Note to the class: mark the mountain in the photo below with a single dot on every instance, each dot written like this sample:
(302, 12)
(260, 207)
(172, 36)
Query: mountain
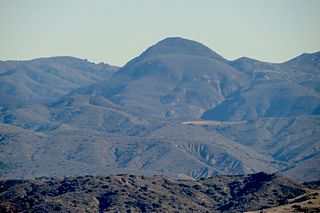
(175, 78)
(306, 69)
(104, 115)
(308, 202)
(46, 79)
(26, 114)
(306, 63)
(277, 90)
(148, 194)
(292, 140)
(271, 99)
(69, 151)
(302, 69)
(179, 109)
(179, 46)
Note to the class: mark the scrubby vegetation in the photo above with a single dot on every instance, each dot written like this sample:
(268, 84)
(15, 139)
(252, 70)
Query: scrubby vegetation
(130, 193)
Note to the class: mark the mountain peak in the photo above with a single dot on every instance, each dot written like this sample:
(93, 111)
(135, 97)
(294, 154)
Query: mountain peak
(312, 58)
(177, 41)
(180, 46)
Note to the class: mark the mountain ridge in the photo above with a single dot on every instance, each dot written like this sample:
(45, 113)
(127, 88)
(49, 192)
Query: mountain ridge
(142, 193)
(146, 117)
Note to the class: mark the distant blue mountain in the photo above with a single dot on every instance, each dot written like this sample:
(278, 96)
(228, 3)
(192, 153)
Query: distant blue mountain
(178, 109)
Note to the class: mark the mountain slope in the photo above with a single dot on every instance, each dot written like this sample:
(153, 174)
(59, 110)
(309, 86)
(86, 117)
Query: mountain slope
(86, 118)
(45, 79)
(96, 113)
(274, 99)
(26, 114)
(143, 194)
(303, 70)
(175, 78)
(293, 140)
(277, 90)
(308, 202)
(69, 151)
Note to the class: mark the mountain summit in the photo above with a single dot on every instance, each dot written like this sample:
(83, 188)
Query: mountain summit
(176, 78)
(181, 46)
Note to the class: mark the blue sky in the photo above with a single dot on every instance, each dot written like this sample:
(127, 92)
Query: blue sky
(115, 31)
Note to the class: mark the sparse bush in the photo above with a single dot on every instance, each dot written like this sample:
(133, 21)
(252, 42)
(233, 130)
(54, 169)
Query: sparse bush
(297, 207)
(156, 205)
(197, 187)
(144, 188)
(210, 191)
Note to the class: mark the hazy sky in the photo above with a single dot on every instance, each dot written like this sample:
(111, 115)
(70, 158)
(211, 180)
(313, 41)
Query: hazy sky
(115, 31)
